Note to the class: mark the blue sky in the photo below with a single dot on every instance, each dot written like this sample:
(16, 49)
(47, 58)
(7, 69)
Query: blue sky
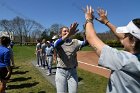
(65, 12)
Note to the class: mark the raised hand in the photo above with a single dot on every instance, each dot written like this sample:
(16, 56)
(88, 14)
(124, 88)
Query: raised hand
(89, 13)
(73, 29)
(102, 16)
(68, 32)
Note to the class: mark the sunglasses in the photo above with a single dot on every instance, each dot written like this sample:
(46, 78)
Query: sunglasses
(126, 35)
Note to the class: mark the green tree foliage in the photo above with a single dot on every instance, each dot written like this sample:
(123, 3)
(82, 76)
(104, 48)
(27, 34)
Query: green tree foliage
(50, 32)
(79, 36)
(21, 28)
(108, 35)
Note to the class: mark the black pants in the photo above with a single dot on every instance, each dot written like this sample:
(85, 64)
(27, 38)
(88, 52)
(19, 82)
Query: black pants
(3, 73)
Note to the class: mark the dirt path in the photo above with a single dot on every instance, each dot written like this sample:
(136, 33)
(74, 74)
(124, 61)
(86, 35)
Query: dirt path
(88, 60)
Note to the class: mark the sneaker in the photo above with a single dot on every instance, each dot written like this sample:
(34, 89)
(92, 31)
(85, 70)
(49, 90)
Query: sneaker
(42, 68)
(37, 65)
(48, 74)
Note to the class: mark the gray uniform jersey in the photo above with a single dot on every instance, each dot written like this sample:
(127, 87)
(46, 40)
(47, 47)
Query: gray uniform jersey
(38, 46)
(125, 75)
(43, 47)
(49, 50)
(67, 54)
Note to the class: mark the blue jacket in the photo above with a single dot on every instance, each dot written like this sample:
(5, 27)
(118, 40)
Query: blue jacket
(4, 56)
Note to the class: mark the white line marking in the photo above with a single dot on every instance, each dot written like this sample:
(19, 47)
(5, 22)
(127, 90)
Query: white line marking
(93, 65)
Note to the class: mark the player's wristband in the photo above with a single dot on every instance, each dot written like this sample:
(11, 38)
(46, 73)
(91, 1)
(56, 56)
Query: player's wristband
(106, 22)
(89, 21)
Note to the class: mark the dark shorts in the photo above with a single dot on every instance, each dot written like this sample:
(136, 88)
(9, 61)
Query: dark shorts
(3, 73)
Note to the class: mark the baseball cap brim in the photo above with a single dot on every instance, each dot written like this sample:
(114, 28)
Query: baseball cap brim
(122, 29)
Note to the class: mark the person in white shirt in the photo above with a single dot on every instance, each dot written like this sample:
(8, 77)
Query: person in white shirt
(124, 65)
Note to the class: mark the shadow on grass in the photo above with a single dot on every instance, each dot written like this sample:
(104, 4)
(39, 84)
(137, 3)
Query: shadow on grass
(20, 79)
(79, 79)
(17, 67)
(25, 85)
(39, 92)
(19, 72)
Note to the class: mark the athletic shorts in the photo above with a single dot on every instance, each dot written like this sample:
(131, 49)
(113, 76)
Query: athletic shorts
(3, 73)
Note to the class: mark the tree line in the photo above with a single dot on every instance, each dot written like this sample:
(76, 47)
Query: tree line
(26, 30)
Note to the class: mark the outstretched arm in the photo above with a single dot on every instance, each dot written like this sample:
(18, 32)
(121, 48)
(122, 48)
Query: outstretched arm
(104, 20)
(91, 36)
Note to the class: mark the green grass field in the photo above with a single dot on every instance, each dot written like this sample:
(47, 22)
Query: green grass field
(27, 79)
(87, 48)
